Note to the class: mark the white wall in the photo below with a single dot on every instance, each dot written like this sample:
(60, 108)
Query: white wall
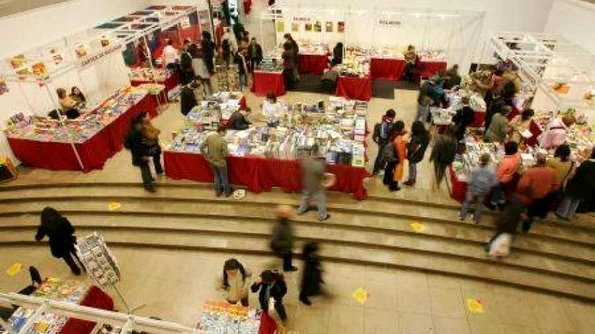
(22, 32)
(574, 20)
(512, 15)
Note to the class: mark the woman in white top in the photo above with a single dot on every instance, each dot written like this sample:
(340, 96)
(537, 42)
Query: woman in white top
(272, 110)
(170, 54)
(234, 283)
(199, 66)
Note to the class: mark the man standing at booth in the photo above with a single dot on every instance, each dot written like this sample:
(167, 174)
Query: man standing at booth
(214, 149)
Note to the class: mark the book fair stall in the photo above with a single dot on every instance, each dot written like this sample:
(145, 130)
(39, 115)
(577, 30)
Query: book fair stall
(262, 158)
(268, 78)
(558, 83)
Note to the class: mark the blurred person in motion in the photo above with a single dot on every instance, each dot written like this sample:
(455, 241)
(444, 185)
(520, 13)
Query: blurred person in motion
(271, 284)
(507, 173)
(443, 155)
(535, 188)
(579, 188)
(312, 274)
(463, 118)
(142, 152)
(315, 182)
(214, 149)
(208, 51)
(481, 181)
(416, 149)
(381, 137)
(499, 126)
(399, 145)
(506, 228)
(255, 54)
(61, 237)
(234, 282)
(282, 237)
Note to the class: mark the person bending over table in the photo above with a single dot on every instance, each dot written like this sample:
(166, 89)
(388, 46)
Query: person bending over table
(238, 120)
(234, 283)
(78, 96)
(68, 105)
(214, 149)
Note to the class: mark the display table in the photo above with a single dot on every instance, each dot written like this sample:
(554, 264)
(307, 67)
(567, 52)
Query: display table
(264, 83)
(260, 174)
(169, 83)
(355, 88)
(458, 188)
(93, 153)
(428, 69)
(313, 63)
(69, 291)
(387, 68)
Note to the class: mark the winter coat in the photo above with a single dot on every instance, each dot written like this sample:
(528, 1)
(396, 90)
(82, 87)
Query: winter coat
(137, 146)
(311, 277)
(416, 148)
(61, 235)
(582, 184)
(282, 237)
(278, 290)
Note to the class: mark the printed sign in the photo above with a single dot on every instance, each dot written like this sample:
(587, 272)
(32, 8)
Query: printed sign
(389, 23)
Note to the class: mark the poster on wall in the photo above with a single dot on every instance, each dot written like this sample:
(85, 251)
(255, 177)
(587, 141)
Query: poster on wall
(328, 27)
(81, 50)
(19, 62)
(3, 86)
(40, 71)
(308, 27)
(280, 26)
(105, 41)
(318, 26)
(295, 27)
(56, 55)
(340, 26)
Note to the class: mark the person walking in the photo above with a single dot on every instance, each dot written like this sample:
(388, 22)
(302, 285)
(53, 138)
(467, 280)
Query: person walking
(380, 137)
(208, 51)
(234, 282)
(60, 232)
(288, 57)
(499, 126)
(463, 118)
(399, 145)
(255, 54)
(535, 187)
(271, 284)
(443, 155)
(214, 149)
(507, 173)
(312, 274)
(142, 152)
(315, 181)
(416, 149)
(282, 238)
(579, 188)
(481, 181)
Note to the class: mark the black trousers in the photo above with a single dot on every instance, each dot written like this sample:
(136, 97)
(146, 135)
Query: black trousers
(379, 163)
(68, 258)
(287, 261)
(289, 78)
(279, 307)
(389, 173)
(145, 170)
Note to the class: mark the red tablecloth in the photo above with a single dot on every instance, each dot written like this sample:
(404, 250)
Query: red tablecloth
(311, 63)
(387, 68)
(428, 69)
(267, 325)
(243, 104)
(259, 174)
(93, 152)
(480, 117)
(95, 298)
(268, 82)
(355, 88)
(458, 188)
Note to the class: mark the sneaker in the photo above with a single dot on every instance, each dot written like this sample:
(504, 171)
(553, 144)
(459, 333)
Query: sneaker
(151, 189)
(325, 218)
(397, 188)
(461, 218)
(305, 301)
(409, 183)
(300, 213)
(491, 206)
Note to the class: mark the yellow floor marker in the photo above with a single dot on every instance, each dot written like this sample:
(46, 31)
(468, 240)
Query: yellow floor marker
(113, 206)
(418, 227)
(14, 269)
(360, 295)
(475, 305)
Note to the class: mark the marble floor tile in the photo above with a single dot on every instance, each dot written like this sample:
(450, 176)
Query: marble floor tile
(446, 325)
(418, 323)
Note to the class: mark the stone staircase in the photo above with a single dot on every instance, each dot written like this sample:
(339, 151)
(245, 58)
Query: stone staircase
(556, 257)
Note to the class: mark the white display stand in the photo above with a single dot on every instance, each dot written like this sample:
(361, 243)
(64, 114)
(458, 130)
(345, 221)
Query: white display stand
(545, 60)
(455, 32)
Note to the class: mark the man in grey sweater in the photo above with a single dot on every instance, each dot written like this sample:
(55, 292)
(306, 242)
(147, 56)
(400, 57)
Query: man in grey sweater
(313, 171)
(214, 149)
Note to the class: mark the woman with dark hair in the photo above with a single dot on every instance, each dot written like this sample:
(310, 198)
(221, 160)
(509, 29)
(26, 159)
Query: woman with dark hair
(416, 149)
(395, 168)
(519, 124)
(68, 106)
(579, 188)
(289, 62)
(142, 152)
(234, 282)
(78, 96)
(337, 55)
(208, 50)
(443, 155)
(463, 118)
(271, 284)
(61, 235)
(312, 274)
(563, 166)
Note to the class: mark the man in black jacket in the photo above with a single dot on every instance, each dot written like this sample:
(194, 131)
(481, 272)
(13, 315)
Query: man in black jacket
(282, 238)
(238, 120)
(140, 152)
(254, 54)
(271, 285)
(380, 137)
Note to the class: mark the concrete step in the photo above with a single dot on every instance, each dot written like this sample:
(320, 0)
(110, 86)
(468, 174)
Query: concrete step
(248, 243)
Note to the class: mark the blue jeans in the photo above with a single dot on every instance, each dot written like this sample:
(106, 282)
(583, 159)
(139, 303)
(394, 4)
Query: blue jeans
(497, 195)
(469, 197)
(568, 207)
(221, 180)
(319, 197)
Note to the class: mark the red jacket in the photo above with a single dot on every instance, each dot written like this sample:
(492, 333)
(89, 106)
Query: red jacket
(536, 183)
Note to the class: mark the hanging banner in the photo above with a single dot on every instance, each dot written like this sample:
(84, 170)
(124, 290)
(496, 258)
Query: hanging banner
(340, 26)
(40, 71)
(384, 23)
(19, 62)
(81, 50)
(87, 61)
(105, 41)
(328, 27)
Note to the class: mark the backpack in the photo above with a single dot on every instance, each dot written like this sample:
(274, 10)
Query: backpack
(388, 153)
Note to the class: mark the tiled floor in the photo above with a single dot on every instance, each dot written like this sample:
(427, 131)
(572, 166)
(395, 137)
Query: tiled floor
(174, 284)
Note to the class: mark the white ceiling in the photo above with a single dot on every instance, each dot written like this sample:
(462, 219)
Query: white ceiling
(9, 7)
